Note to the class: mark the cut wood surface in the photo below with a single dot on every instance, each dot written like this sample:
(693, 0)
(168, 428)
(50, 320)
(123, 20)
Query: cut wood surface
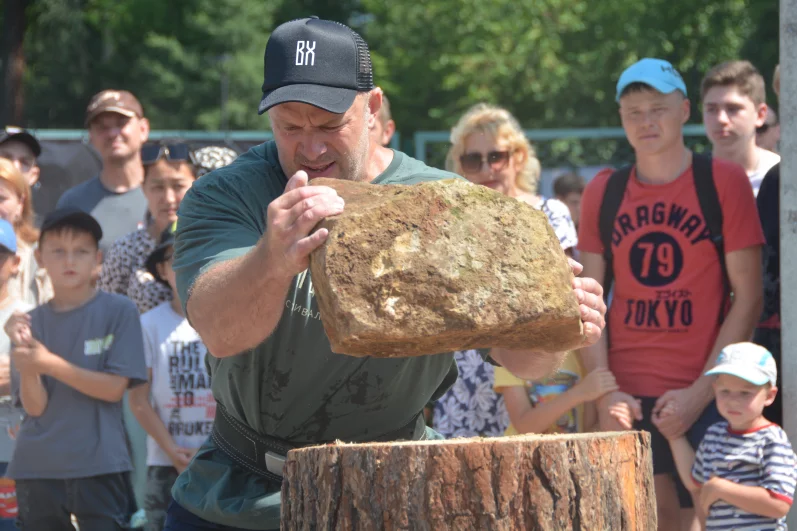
(601, 481)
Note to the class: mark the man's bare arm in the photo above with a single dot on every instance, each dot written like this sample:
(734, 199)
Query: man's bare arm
(237, 304)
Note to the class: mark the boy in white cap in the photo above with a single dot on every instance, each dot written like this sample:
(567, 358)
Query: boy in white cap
(744, 471)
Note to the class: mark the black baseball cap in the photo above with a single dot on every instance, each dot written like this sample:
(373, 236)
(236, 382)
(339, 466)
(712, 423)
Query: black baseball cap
(21, 135)
(72, 217)
(158, 254)
(319, 62)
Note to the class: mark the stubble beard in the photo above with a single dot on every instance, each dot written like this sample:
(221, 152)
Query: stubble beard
(357, 160)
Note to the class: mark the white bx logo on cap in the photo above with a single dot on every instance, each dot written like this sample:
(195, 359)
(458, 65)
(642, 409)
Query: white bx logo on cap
(305, 53)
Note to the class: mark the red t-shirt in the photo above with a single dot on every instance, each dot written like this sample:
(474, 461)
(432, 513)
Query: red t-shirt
(663, 318)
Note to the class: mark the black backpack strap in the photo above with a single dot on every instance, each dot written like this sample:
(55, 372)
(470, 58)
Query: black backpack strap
(707, 196)
(610, 206)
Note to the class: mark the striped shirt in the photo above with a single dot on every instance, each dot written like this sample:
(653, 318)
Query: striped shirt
(758, 458)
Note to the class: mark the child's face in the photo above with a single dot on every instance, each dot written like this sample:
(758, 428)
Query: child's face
(166, 270)
(740, 402)
(70, 257)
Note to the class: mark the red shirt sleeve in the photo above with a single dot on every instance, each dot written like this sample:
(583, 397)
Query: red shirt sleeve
(589, 238)
(741, 226)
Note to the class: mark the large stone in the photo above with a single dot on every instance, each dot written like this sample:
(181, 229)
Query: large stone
(441, 266)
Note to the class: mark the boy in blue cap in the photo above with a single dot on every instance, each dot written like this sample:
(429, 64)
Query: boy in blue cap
(660, 251)
(745, 470)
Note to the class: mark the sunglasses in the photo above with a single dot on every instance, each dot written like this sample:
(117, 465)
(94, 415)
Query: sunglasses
(473, 162)
(152, 153)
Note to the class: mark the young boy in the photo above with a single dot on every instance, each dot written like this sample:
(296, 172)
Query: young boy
(745, 470)
(9, 415)
(176, 407)
(72, 360)
(561, 403)
(734, 106)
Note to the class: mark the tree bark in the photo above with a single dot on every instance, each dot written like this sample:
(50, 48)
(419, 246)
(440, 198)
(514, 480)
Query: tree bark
(14, 23)
(584, 482)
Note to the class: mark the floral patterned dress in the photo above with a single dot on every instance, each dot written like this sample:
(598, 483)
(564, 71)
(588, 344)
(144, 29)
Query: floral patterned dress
(471, 408)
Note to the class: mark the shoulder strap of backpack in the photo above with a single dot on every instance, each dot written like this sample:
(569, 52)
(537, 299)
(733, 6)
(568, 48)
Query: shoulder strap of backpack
(707, 196)
(610, 205)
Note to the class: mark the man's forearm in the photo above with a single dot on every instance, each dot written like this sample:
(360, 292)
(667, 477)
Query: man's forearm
(99, 385)
(237, 304)
(737, 327)
(32, 393)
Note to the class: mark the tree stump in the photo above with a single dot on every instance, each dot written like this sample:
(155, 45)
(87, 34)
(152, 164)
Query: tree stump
(601, 481)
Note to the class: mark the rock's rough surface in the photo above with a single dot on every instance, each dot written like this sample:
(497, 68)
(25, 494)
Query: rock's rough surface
(441, 266)
(531, 482)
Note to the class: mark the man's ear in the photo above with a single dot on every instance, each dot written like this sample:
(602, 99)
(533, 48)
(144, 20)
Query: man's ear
(686, 107)
(144, 129)
(761, 114)
(374, 104)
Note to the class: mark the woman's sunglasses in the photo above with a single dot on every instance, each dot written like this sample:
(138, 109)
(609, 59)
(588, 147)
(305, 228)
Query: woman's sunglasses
(473, 162)
(152, 153)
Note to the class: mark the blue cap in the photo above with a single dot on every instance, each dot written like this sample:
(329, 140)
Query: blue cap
(750, 362)
(7, 237)
(656, 73)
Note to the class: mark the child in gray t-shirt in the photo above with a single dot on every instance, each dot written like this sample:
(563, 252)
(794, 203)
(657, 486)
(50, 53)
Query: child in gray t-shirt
(72, 360)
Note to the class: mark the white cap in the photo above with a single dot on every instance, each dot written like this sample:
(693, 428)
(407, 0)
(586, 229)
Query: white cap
(748, 361)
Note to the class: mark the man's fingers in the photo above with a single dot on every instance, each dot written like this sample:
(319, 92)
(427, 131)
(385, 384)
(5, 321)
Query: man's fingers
(588, 285)
(576, 267)
(298, 180)
(289, 199)
(309, 212)
(307, 245)
(636, 409)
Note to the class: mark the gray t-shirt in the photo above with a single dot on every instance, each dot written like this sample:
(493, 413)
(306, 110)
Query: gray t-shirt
(10, 414)
(117, 214)
(79, 436)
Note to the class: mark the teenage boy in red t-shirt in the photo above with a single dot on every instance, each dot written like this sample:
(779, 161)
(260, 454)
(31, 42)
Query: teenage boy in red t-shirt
(664, 326)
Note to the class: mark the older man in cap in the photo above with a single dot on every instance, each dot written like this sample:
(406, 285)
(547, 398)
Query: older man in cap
(117, 130)
(244, 237)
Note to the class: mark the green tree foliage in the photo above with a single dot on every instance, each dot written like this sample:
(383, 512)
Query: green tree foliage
(551, 62)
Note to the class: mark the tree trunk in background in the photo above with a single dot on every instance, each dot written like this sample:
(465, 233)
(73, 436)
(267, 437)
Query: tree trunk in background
(580, 482)
(13, 61)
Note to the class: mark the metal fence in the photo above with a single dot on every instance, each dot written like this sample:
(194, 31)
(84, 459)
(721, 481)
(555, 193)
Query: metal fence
(68, 159)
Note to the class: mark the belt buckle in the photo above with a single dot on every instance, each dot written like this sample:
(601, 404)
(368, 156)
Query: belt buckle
(275, 463)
